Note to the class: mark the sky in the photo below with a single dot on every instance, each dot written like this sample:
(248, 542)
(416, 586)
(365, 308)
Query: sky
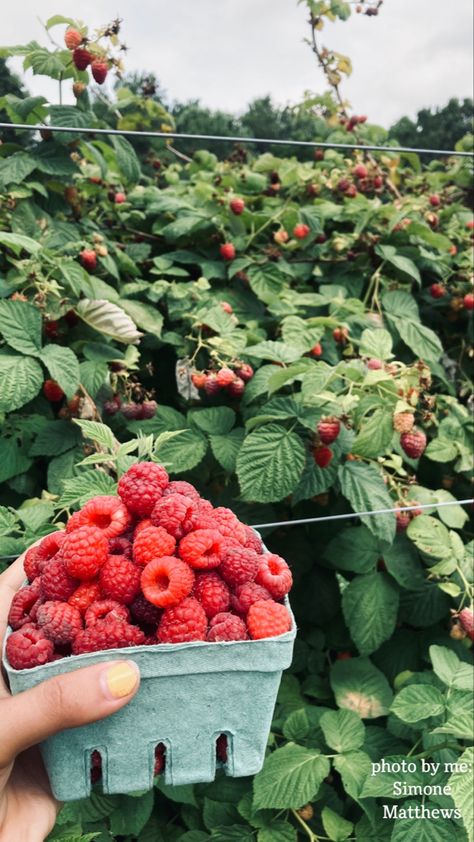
(414, 54)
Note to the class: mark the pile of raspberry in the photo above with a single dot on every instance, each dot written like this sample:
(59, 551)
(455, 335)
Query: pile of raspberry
(155, 564)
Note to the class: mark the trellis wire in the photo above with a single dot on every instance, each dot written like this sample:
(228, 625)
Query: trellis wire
(210, 137)
(346, 516)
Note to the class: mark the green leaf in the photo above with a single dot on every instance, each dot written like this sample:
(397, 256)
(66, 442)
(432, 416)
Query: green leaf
(219, 813)
(315, 480)
(34, 515)
(361, 687)
(233, 833)
(376, 343)
(343, 730)
(88, 484)
(370, 605)
(127, 160)
(462, 786)
(63, 367)
(20, 324)
(354, 548)
(8, 520)
(277, 831)
(402, 311)
(453, 516)
(93, 375)
(417, 701)
(275, 351)
(18, 243)
(131, 814)
(266, 281)
(375, 435)
(441, 450)
(353, 768)
(422, 830)
(430, 536)
(20, 381)
(336, 828)
(226, 448)
(450, 669)
(15, 168)
(403, 563)
(55, 438)
(108, 319)
(182, 452)
(217, 420)
(99, 433)
(291, 777)
(365, 489)
(144, 315)
(270, 463)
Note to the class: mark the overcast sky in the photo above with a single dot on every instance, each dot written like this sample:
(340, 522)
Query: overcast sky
(416, 53)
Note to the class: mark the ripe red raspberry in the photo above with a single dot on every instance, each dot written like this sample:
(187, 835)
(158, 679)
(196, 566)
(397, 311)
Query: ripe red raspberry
(96, 767)
(144, 612)
(221, 748)
(301, 231)
(227, 251)
(228, 524)
(72, 38)
(252, 540)
(141, 486)
(153, 542)
(203, 549)
(107, 635)
(180, 486)
(143, 524)
(238, 566)
(120, 546)
(437, 290)
(166, 581)
(106, 610)
(183, 622)
(245, 595)
(119, 579)
(212, 592)
(178, 514)
(360, 171)
(340, 335)
(403, 519)
(329, 429)
(88, 259)
(316, 350)
(268, 619)
(211, 386)
(199, 379)
(81, 58)
(23, 603)
(435, 200)
(99, 69)
(106, 513)
(85, 550)
(52, 391)
(466, 618)
(85, 595)
(237, 206)
(28, 647)
(274, 575)
(30, 564)
(413, 443)
(59, 621)
(245, 372)
(227, 627)
(236, 388)
(160, 759)
(322, 456)
(374, 364)
(49, 548)
(56, 582)
(468, 301)
(224, 377)
(119, 198)
(227, 308)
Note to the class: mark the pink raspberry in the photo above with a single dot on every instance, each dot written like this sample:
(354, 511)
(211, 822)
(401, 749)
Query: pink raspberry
(120, 546)
(166, 581)
(268, 619)
(56, 582)
(85, 550)
(141, 486)
(145, 613)
(28, 647)
(106, 610)
(238, 566)
(59, 621)
(245, 595)
(37, 557)
(228, 524)
(107, 635)
(227, 627)
(152, 542)
(119, 579)
(106, 513)
(252, 540)
(182, 487)
(23, 604)
(178, 514)
(84, 595)
(203, 549)
(212, 592)
(183, 622)
(274, 575)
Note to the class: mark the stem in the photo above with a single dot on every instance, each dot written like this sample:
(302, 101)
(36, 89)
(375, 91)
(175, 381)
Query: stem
(311, 836)
(439, 747)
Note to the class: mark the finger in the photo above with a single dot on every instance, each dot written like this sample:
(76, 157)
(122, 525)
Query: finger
(65, 701)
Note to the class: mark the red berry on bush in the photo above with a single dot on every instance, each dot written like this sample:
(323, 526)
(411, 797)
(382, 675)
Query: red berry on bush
(119, 198)
(198, 379)
(245, 372)
(211, 386)
(403, 519)
(88, 259)
(281, 236)
(343, 656)
(72, 38)
(316, 350)
(301, 231)
(322, 456)
(413, 443)
(227, 308)
(437, 290)
(131, 411)
(52, 391)
(343, 185)
(378, 182)
(236, 387)
(99, 69)
(466, 618)
(149, 409)
(435, 200)
(340, 335)
(329, 429)
(227, 251)
(112, 406)
(374, 364)
(351, 191)
(468, 301)
(81, 58)
(360, 171)
(224, 377)
(237, 206)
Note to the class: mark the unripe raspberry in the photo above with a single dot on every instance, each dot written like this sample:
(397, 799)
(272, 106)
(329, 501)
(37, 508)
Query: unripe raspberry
(437, 290)
(198, 379)
(468, 301)
(322, 456)
(236, 387)
(88, 259)
(403, 519)
(403, 422)
(72, 38)
(329, 429)
(237, 206)
(301, 231)
(78, 89)
(281, 236)
(351, 191)
(227, 251)
(378, 182)
(374, 365)
(413, 443)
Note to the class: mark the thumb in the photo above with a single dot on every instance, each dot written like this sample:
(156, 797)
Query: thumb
(65, 701)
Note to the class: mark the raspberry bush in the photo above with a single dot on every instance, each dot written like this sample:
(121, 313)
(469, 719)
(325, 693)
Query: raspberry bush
(293, 337)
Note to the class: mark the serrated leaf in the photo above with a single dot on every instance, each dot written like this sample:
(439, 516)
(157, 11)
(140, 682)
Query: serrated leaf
(226, 448)
(375, 435)
(291, 777)
(376, 343)
(365, 489)
(20, 325)
(450, 669)
(416, 702)
(441, 450)
(108, 319)
(359, 686)
(127, 160)
(343, 730)
(217, 420)
(270, 463)
(278, 831)
(370, 605)
(20, 381)
(81, 488)
(353, 548)
(266, 281)
(430, 536)
(99, 433)
(408, 829)
(337, 828)
(8, 519)
(275, 351)
(55, 438)
(462, 786)
(183, 452)
(63, 367)
(15, 168)
(145, 316)
(93, 375)
(18, 243)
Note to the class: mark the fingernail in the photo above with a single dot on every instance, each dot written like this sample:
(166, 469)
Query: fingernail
(120, 680)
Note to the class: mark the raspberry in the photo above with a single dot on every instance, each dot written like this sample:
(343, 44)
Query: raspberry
(59, 621)
(227, 627)
(238, 566)
(166, 581)
(301, 231)
(106, 513)
(224, 377)
(49, 547)
(237, 206)
(28, 647)
(52, 391)
(244, 372)
(199, 379)
(183, 622)
(228, 524)
(403, 519)
(107, 635)
(202, 549)
(31, 564)
(22, 604)
(99, 69)
(179, 514)
(252, 540)
(56, 582)
(403, 422)
(106, 610)
(227, 251)
(221, 748)
(437, 290)
(72, 38)
(322, 456)
(182, 487)
(96, 767)
(245, 595)
(274, 575)
(212, 593)
(120, 546)
(413, 443)
(144, 524)
(160, 759)
(85, 550)
(119, 579)
(85, 595)
(81, 58)
(329, 429)
(236, 388)
(144, 612)
(153, 542)
(268, 619)
(141, 486)
(466, 618)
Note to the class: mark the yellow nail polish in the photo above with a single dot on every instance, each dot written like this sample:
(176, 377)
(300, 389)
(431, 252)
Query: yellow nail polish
(121, 679)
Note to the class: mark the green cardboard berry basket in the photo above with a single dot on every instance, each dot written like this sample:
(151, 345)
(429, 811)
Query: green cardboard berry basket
(189, 694)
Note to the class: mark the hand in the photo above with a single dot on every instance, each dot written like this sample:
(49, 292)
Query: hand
(27, 807)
